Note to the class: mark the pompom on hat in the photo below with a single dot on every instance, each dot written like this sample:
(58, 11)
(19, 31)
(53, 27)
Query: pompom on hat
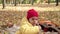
(32, 13)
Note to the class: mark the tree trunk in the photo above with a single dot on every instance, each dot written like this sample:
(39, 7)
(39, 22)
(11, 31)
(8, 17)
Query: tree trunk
(48, 1)
(15, 3)
(3, 3)
(56, 2)
(32, 2)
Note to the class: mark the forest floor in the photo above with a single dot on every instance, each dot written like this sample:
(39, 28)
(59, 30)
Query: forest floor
(25, 7)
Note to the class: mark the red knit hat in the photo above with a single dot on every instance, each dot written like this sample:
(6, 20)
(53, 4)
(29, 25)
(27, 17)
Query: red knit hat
(31, 13)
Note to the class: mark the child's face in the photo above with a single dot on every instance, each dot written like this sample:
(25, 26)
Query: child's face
(33, 20)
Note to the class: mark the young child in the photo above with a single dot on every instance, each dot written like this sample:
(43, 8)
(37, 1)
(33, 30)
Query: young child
(29, 25)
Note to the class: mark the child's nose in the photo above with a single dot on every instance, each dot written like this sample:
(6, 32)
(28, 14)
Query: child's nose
(35, 21)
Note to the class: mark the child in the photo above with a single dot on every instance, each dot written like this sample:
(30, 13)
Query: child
(29, 25)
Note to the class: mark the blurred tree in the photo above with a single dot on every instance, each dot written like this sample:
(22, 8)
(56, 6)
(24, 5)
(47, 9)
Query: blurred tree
(0, 1)
(32, 2)
(29, 1)
(3, 3)
(48, 1)
(23, 1)
(15, 3)
(57, 2)
(9, 1)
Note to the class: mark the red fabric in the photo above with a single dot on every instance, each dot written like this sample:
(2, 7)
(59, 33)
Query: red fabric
(45, 29)
(31, 13)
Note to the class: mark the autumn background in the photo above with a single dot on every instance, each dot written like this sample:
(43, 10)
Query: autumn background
(14, 10)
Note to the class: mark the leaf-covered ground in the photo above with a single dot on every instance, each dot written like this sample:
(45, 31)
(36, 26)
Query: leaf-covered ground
(15, 17)
(14, 14)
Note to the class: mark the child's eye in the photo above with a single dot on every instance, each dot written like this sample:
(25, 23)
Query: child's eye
(32, 18)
